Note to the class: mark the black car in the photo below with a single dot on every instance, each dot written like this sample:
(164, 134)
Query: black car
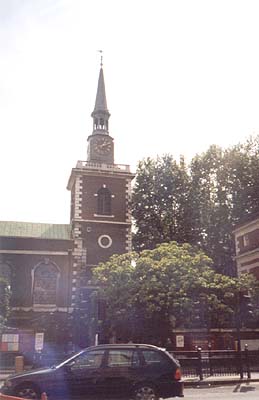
(133, 371)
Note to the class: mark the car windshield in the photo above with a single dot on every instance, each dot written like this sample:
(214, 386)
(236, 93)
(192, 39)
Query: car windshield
(67, 360)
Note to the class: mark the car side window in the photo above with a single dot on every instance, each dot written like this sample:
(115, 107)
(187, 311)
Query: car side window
(88, 360)
(123, 358)
(154, 358)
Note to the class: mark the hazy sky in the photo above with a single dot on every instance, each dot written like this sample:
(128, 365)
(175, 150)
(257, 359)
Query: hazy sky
(180, 75)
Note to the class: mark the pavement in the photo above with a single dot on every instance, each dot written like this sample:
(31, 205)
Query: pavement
(220, 380)
(188, 382)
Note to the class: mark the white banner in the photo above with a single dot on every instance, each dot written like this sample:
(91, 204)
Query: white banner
(39, 341)
(179, 341)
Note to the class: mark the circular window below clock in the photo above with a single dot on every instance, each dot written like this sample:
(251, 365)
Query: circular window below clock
(105, 241)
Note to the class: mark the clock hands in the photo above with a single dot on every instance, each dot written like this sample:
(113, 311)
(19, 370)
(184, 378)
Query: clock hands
(102, 146)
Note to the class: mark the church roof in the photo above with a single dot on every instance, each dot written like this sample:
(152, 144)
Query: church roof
(35, 230)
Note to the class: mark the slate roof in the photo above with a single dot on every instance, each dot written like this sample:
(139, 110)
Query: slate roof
(35, 230)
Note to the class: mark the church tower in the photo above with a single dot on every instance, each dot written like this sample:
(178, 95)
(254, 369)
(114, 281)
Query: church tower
(100, 200)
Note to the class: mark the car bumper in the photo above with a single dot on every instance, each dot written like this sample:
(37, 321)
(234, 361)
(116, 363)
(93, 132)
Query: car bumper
(174, 389)
(6, 390)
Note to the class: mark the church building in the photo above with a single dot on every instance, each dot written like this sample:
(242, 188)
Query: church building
(49, 265)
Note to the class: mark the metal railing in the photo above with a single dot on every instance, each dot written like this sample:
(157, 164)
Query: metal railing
(205, 363)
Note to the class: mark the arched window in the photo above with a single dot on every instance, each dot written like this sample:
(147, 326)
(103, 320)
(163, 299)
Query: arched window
(104, 201)
(45, 283)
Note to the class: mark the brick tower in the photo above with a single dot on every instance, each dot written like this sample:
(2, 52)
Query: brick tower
(100, 207)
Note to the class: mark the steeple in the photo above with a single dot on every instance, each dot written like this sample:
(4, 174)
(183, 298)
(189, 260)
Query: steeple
(100, 114)
(100, 147)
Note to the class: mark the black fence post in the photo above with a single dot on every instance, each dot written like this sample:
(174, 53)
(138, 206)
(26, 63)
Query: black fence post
(247, 362)
(239, 350)
(210, 360)
(240, 363)
(199, 366)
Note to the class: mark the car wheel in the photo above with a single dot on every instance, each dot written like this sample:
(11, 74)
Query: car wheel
(28, 391)
(145, 392)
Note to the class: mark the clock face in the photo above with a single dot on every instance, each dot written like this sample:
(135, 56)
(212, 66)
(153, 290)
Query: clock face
(102, 146)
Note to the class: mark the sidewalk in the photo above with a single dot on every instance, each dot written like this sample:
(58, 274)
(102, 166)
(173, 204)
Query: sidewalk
(220, 380)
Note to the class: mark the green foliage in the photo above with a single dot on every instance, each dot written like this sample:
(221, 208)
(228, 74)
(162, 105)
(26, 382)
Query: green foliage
(5, 294)
(150, 293)
(200, 203)
(160, 202)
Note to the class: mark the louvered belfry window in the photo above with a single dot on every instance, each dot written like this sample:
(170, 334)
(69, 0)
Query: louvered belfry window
(104, 201)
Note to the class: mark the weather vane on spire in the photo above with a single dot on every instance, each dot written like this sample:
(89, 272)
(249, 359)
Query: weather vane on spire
(101, 52)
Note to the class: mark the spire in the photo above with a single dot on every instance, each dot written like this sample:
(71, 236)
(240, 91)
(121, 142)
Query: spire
(100, 114)
(100, 102)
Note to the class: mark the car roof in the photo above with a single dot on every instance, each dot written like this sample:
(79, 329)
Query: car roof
(125, 346)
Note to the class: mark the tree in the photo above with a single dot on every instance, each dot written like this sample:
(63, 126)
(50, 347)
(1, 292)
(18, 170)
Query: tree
(224, 192)
(200, 203)
(5, 294)
(160, 202)
(211, 211)
(151, 292)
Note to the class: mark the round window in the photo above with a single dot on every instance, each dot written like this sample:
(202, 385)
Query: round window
(105, 241)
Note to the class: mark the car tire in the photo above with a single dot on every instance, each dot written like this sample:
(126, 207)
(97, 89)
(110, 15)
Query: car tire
(145, 392)
(28, 391)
